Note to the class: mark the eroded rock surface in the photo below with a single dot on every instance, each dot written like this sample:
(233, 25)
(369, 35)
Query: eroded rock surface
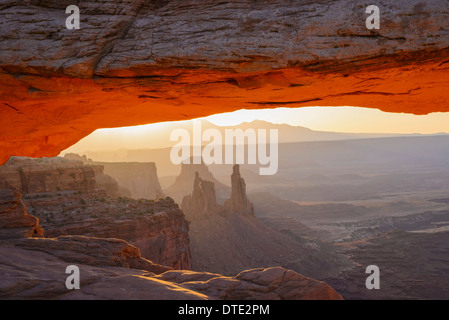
(137, 180)
(255, 284)
(110, 268)
(202, 202)
(15, 222)
(51, 175)
(113, 269)
(136, 62)
(238, 203)
(71, 198)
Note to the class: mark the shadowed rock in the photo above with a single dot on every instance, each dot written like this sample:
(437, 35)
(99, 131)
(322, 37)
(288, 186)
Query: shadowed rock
(238, 203)
(255, 284)
(183, 184)
(112, 269)
(15, 222)
(34, 268)
(202, 202)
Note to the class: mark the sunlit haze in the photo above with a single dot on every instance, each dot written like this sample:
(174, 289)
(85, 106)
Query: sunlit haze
(333, 119)
(341, 119)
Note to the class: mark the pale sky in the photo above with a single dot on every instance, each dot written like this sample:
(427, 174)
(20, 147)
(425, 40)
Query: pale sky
(335, 119)
(342, 119)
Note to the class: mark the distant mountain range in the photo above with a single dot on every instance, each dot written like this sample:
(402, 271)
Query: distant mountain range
(286, 133)
(158, 137)
(158, 144)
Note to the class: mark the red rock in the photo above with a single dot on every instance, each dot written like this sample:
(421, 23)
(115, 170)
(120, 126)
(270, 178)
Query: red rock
(15, 222)
(137, 180)
(238, 203)
(255, 284)
(171, 61)
(93, 251)
(202, 202)
(71, 198)
(162, 237)
(112, 269)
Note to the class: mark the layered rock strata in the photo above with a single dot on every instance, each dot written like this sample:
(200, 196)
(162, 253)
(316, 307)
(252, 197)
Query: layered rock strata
(137, 180)
(15, 222)
(52, 175)
(162, 236)
(35, 268)
(173, 60)
(71, 198)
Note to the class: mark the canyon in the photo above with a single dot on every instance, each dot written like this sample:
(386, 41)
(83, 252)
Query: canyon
(31, 253)
(333, 208)
(65, 196)
(228, 237)
(327, 212)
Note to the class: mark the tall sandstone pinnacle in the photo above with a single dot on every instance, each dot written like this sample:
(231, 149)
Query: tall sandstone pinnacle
(238, 203)
(183, 183)
(202, 202)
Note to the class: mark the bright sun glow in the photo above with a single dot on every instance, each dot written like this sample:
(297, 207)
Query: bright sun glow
(334, 119)
(341, 119)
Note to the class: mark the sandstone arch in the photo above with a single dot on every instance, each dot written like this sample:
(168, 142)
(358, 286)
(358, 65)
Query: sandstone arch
(137, 62)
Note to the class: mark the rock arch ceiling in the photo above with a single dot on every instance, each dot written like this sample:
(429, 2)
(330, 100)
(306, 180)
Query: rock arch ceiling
(136, 62)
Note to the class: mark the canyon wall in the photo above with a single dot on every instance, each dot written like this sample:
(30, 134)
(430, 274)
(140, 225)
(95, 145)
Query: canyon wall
(51, 175)
(34, 267)
(137, 180)
(162, 237)
(15, 222)
(47, 175)
(71, 198)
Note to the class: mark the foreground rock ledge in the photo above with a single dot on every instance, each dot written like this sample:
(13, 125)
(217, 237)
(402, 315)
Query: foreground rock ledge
(113, 269)
(33, 267)
(137, 62)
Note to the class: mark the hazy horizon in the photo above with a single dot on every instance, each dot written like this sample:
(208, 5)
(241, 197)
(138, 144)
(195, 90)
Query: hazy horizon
(339, 120)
